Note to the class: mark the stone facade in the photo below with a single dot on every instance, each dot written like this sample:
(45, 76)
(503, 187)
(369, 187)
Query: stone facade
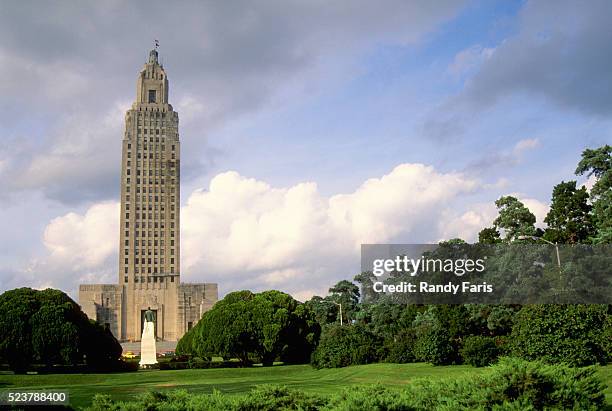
(149, 238)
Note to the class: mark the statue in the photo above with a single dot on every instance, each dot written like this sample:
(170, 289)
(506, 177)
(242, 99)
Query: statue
(147, 342)
(149, 316)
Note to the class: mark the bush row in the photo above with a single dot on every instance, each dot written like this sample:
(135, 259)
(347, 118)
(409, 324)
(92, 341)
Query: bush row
(443, 335)
(513, 384)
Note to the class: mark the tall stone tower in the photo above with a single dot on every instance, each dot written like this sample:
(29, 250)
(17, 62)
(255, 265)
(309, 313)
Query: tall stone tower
(149, 245)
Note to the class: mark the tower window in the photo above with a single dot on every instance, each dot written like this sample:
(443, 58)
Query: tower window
(152, 96)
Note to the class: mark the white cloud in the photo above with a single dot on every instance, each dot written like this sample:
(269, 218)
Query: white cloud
(244, 233)
(538, 208)
(85, 241)
(467, 225)
(478, 216)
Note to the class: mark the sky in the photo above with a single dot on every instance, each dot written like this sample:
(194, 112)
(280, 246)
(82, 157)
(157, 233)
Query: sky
(307, 128)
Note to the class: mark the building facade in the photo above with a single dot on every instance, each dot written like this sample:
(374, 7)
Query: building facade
(149, 237)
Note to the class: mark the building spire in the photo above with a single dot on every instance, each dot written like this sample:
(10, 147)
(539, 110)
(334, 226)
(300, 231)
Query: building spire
(153, 57)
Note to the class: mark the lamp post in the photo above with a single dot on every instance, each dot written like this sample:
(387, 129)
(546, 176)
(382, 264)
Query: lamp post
(339, 305)
(523, 237)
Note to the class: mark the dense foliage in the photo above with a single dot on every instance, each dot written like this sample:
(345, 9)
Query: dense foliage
(510, 385)
(47, 327)
(265, 327)
(478, 333)
(575, 334)
(479, 350)
(341, 346)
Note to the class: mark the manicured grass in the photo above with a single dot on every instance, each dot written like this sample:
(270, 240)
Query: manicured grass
(124, 386)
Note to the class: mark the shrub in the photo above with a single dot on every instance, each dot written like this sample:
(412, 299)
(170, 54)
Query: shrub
(512, 384)
(369, 397)
(264, 398)
(575, 334)
(400, 350)
(479, 351)
(272, 398)
(341, 346)
(433, 345)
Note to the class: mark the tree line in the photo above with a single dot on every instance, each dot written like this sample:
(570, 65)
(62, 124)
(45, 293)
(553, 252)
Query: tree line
(272, 326)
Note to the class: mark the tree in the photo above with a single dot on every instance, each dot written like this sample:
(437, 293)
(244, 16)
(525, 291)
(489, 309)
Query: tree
(283, 328)
(569, 217)
(255, 327)
(16, 308)
(341, 346)
(366, 282)
(598, 163)
(49, 327)
(54, 339)
(489, 235)
(325, 311)
(514, 218)
(347, 294)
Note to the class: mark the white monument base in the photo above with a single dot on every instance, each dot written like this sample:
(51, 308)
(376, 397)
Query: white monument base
(147, 345)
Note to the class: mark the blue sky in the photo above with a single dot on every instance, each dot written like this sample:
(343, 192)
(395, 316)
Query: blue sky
(307, 128)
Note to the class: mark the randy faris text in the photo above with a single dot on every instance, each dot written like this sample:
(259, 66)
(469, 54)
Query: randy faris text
(425, 287)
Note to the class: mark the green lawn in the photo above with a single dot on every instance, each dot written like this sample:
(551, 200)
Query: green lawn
(125, 385)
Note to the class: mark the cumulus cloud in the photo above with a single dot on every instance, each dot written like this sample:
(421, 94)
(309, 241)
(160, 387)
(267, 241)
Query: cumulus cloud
(80, 248)
(84, 241)
(537, 207)
(468, 224)
(244, 233)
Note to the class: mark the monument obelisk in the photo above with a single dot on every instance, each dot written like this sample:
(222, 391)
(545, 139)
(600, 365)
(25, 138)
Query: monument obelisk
(147, 342)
